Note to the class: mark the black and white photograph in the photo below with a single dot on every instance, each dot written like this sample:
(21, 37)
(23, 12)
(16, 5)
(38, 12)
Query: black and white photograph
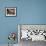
(30, 34)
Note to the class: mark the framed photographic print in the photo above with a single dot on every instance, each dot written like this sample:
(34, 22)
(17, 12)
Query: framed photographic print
(10, 11)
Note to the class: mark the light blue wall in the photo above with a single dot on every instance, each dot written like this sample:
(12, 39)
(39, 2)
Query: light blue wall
(28, 12)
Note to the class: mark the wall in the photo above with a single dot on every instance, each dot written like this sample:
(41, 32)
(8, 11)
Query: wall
(28, 12)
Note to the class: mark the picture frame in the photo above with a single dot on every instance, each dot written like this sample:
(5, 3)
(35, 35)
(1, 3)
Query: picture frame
(10, 11)
(37, 29)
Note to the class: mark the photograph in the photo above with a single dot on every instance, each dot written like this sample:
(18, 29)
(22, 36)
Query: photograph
(11, 11)
(29, 34)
